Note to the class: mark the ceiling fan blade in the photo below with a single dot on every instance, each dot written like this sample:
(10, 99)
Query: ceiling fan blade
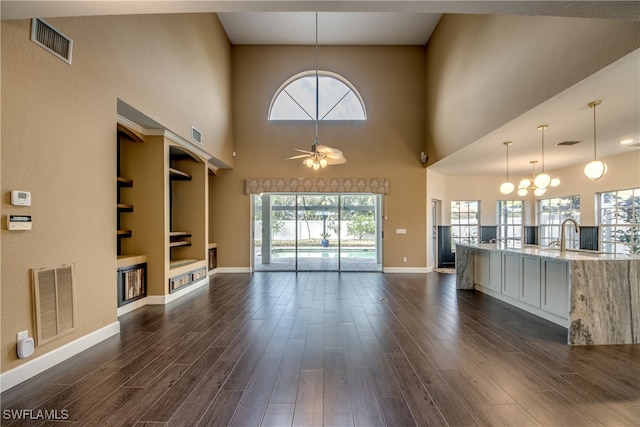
(338, 161)
(303, 151)
(330, 152)
(297, 157)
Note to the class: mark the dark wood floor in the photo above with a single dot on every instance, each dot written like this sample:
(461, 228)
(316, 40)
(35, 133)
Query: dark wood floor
(366, 349)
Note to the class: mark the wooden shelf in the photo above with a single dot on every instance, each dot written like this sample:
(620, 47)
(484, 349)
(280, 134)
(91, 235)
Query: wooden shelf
(123, 233)
(175, 263)
(179, 243)
(179, 234)
(178, 175)
(124, 182)
(122, 207)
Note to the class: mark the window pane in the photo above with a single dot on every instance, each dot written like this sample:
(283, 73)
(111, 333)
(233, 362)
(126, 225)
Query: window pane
(336, 99)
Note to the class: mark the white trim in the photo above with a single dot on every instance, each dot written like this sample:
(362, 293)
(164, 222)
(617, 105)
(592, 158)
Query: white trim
(48, 360)
(421, 270)
(430, 269)
(166, 299)
(167, 133)
(234, 270)
(132, 306)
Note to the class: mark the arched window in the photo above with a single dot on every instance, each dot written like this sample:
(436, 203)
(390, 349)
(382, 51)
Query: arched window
(296, 98)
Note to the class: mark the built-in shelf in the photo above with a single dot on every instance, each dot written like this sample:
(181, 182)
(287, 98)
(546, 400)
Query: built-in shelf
(123, 207)
(123, 233)
(175, 263)
(124, 182)
(179, 243)
(178, 175)
(179, 234)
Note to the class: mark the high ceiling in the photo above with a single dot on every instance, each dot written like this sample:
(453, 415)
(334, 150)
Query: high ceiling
(399, 22)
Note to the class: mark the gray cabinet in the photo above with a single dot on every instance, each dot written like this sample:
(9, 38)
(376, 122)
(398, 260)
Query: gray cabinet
(530, 291)
(555, 287)
(511, 275)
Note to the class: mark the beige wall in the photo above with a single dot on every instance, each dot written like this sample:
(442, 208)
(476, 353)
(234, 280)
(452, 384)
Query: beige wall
(623, 173)
(484, 70)
(387, 145)
(59, 142)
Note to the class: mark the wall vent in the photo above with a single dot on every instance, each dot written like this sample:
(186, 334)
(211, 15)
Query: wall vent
(54, 292)
(196, 135)
(567, 143)
(45, 35)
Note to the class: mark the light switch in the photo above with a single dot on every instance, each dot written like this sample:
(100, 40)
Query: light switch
(401, 231)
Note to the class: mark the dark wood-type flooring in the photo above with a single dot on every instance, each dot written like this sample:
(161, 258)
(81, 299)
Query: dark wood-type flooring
(311, 349)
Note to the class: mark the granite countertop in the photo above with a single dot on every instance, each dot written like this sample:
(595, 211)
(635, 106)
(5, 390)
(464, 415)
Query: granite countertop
(554, 253)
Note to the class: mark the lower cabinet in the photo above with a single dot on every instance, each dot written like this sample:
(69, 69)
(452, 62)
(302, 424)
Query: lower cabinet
(530, 291)
(511, 275)
(555, 289)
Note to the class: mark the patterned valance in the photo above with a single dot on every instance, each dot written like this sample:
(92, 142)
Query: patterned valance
(317, 185)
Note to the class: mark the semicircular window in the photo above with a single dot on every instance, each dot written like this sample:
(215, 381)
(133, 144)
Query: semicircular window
(338, 99)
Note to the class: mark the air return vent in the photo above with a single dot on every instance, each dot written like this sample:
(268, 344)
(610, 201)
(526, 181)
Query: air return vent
(54, 41)
(567, 143)
(54, 291)
(196, 135)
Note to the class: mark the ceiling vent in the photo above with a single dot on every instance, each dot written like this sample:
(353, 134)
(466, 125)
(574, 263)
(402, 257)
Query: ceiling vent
(568, 143)
(196, 135)
(43, 34)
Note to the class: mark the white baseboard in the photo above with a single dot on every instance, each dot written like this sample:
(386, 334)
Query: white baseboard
(48, 360)
(234, 270)
(421, 270)
(132, 306)
(166, 299)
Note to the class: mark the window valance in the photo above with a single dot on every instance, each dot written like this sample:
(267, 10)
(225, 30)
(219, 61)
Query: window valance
(317, 185)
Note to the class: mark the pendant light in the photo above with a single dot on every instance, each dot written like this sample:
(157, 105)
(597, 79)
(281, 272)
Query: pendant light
(527, 184)
(543, 180)
(595, 169)
(507, 187)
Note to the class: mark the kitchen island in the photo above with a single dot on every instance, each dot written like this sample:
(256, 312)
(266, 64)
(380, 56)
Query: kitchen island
(595, 296)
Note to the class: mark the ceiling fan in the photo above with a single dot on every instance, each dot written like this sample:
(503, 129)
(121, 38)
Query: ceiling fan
(320, 156)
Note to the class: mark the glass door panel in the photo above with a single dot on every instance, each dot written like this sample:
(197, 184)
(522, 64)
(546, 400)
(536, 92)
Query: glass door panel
(317, 243)
(361, 233)
(274, 231)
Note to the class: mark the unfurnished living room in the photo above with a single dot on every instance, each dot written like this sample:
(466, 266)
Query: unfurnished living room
(320, 213)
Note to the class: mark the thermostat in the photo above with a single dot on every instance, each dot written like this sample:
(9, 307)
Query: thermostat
(20, 198)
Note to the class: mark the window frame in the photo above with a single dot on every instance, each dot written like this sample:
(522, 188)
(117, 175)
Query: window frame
(550, 230)
(615, 246)
(510, 231)
(468, 231)
(321, 73)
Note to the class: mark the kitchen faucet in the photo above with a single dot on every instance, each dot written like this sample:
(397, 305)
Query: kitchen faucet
(563, 240)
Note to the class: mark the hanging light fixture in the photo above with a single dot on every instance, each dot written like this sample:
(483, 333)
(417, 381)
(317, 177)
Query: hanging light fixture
(543, 180)
(507, 187)
(595, 169)
(527, 184)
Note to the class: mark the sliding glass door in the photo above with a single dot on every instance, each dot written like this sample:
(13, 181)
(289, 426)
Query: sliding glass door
(317, 232)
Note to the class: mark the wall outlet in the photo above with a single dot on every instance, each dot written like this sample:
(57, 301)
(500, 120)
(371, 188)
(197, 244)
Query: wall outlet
(22, 335)
(404, 259)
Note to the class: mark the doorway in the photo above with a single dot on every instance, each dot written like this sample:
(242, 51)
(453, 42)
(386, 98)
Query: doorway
(317, 232)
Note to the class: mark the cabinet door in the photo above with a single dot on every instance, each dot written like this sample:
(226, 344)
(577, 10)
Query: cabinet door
(495, 271)
(530, 291)
(511, 275)
(481, 268)
(555, 288)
